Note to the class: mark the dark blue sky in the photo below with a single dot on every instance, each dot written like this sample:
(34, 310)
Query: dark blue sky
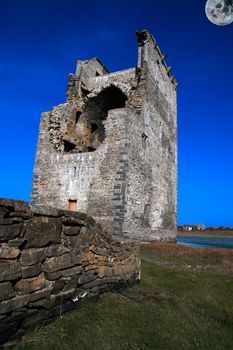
(40, 42)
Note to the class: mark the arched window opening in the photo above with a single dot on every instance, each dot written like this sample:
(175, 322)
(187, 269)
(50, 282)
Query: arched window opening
(111, 98)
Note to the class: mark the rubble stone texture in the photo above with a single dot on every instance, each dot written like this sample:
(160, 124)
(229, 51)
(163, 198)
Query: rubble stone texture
(111, 149)
(54, 261)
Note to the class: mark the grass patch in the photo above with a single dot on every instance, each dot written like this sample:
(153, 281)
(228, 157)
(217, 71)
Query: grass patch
(174, 307)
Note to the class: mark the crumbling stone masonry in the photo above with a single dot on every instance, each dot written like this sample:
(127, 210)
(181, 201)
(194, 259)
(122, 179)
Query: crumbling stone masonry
(51, 260)
(111, 149)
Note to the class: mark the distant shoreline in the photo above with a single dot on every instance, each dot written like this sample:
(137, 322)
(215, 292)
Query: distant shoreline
(207, 233)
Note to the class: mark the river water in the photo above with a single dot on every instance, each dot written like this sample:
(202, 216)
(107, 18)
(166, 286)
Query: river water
(205, 241)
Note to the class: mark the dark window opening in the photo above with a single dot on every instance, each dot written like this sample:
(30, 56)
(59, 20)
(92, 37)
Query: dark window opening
(85, 91)
(78, 114)
(72, 204)
(94, 127)
(68, 146)
(91, 149)
(111, 98)
(145, 141)
(89, 132)
(75, 169)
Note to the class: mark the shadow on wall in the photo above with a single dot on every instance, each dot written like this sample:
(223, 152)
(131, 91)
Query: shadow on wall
(89, 123)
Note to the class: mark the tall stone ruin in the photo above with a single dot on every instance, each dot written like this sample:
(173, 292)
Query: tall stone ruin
(111, 149)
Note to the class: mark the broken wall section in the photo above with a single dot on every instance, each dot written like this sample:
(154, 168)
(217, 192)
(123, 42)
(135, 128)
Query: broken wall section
(51, 260)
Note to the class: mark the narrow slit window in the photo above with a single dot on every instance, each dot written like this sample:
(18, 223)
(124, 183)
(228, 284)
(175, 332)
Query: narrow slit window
(94, 127)
(145, 141)
(78, 114)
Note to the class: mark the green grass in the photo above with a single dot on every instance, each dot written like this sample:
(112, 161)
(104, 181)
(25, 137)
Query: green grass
(172, 308)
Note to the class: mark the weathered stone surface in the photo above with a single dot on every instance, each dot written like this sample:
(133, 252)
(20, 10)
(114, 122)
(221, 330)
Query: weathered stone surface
(23, 215)
(9, 232)
(69, 221)
(76, 270)
(40, 231)
(18, 242)
(14, 303)
(93, 283)
(56, 250)
(9, 270)
(87, 277)
(61, 262)
(43, 303)
(76, 215)
(71, 231)
(41, 294)
(32, 256)
(88, 256)
(13, 204)
(31, 271)
(8, 253)
(58, 286)
(6, 291)
(45, 210)
(52, 276)
(30, 285)
(104, 271)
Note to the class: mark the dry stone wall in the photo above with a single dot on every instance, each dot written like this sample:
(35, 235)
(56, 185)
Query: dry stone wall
(51, 260)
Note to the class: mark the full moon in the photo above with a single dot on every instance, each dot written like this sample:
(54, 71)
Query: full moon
(219, 12)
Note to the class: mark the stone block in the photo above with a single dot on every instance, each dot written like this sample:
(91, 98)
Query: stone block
(71, 221)
(8, 252)
(76, 270)
(32, 256)
(56, 250)
(71, 230)
(76, 215)
(15, 204)
(72, 283)
(104, 271)
(40, 294)
(6, 291)
(61, 262)
(43, 303)
(31, 271)
(17, 242)
(94, 283)
(52, 276)
(25, 286)
(57, 286)
(9, 270)
(13, 304)
(89, 256)
(9, 232)
(85, 278)
(40, 231)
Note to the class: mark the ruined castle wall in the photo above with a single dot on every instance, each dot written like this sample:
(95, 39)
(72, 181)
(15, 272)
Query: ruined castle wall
(125, 175)
(124, 80)
(51, 260)
(153, 161)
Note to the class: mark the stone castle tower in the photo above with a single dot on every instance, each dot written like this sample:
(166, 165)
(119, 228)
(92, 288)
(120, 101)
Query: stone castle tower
(111, 149)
